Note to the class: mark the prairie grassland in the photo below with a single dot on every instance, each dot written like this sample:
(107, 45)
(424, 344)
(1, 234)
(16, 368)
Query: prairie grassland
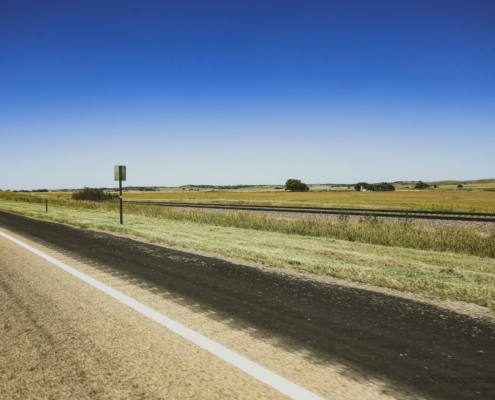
(425, 200)
(453, 271)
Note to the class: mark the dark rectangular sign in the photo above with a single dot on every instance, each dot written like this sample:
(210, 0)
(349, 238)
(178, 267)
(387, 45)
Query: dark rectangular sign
(116, 172)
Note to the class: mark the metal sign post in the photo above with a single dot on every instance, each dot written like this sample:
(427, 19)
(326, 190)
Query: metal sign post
(120, 175)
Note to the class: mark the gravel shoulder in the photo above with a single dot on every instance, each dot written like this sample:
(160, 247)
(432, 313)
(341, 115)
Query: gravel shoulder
(62, 338)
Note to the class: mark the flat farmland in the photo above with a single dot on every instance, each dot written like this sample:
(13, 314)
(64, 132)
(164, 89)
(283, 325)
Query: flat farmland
(425, 200)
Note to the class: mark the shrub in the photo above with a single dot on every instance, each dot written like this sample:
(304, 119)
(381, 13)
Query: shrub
(421, 185)
(93, 195)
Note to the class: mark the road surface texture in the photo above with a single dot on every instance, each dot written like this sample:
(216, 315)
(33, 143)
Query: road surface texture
(63, 338)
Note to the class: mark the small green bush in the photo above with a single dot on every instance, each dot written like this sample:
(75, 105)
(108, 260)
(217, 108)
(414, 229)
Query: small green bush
(90, 194)
(421, 185)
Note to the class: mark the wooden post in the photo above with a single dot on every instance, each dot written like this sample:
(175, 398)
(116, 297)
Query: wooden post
(120, 191)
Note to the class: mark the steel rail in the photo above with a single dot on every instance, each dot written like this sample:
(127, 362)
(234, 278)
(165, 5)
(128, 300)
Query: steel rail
(441, 215)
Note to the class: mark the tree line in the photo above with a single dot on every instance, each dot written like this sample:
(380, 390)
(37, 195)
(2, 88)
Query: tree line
(378, 187)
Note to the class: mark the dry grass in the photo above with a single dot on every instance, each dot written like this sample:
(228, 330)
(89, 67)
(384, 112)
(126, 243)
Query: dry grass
(444, 274)
(426, 200)
(470, 200)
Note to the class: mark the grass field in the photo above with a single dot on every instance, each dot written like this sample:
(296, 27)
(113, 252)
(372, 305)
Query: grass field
(476, 196)
(447, 263)
(426, 200)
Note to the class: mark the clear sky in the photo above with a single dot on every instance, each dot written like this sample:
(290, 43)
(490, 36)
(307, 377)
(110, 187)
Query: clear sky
(245, 92)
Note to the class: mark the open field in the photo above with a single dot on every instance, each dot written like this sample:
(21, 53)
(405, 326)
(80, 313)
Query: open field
(475, 196)
(424, 200)
(453, 264)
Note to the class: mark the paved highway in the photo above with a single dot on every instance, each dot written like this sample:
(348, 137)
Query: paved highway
(62, 337)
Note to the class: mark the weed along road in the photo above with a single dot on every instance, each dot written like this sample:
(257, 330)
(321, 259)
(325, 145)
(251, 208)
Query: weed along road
(65, 336)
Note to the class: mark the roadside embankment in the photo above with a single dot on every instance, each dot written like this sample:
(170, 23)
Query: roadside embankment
(442, 274)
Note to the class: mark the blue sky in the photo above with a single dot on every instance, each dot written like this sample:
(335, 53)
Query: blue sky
(245, 92)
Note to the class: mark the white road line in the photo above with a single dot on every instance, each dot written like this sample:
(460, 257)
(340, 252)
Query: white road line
(257, 371)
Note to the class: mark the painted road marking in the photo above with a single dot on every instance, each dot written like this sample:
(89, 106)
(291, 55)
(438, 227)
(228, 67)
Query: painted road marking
(257, 371)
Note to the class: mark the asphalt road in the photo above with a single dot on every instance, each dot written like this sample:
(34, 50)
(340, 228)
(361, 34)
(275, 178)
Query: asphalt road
(413, 347)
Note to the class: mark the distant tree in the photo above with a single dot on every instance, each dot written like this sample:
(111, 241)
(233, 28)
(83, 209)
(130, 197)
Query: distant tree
(295, 185)
(460, 186)
(421, 185)
(379, 187)
(361, 185)
(387, 187)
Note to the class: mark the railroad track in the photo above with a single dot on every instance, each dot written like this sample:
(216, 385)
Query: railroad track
(451, 216)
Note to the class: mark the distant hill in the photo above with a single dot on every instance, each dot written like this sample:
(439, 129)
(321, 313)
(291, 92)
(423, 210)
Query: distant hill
(473, 182)
(403, 182)
(489, 181)
(316, 185)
